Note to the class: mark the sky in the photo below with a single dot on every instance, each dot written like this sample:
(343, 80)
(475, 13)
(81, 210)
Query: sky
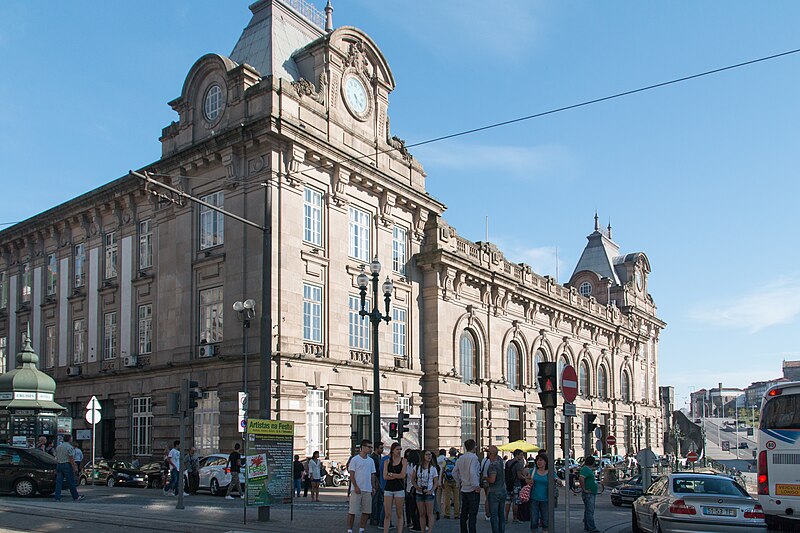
(700, 175)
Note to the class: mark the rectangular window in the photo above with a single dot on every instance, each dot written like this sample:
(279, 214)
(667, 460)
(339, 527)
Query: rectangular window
(315, 422)
(514, 423)
(211, 315)
(52, 274)
(109, 336)
(141, 426)
(312, 217)
(50, 347)
(78, 341)
(399, 250)
(111, 255)
(360, 225)
(469, 421)
(399, 332)
(3, 290)
(80, 259)
(627, 430)
(206, 423)
(359, 326)
(145, 244)
(540, 426)
(361, 404)
(212, 223)
(643, 379)
(404, 404)
(3, 354)
(145, 328)
(312, 313)
(27, 283)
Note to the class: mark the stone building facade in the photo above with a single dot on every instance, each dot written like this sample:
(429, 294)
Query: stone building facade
(125, 288)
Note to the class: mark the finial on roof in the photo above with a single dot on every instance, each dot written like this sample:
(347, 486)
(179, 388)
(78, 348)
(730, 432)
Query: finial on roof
(596, 221)
(609, 227)
(329, 17)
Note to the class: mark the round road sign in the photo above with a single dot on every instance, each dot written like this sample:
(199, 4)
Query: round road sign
(93, 417)
(569, 384)
(611, 440)
(691, 457)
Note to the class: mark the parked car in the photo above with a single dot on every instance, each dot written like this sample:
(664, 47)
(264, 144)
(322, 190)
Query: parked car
(699, 503)
(26, 471)
(559, 465)
(743, 446)
(112, 473)
(155, 474)
(214, 477)
(629, 490)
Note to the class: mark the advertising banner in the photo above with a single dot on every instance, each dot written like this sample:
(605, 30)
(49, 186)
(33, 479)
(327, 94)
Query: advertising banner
(269, 461)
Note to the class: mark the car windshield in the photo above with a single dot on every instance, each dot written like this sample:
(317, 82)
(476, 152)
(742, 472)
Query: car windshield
(711, 485)
(42, 456)
(121, 465)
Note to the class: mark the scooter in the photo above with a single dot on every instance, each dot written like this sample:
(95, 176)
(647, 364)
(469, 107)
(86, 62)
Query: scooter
(340, 476)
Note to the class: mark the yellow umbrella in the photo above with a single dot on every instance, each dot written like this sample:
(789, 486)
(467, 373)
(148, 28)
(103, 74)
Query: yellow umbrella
(519, 445)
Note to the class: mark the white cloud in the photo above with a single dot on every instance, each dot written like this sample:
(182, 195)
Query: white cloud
(774, 303)
(541, 259)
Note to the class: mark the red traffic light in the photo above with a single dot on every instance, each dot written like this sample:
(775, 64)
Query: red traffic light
(393, 430)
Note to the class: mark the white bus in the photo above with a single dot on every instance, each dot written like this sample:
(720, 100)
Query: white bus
(779, 455)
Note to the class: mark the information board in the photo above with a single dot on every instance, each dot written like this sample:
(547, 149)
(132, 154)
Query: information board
(269, 461)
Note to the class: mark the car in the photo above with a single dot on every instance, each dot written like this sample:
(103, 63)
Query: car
(26, 471)
(112, 474)
(559, 465)
(214, 477)
(155, 474)
(743, 446)
(681, 502)
(698, 421)
(629, 490)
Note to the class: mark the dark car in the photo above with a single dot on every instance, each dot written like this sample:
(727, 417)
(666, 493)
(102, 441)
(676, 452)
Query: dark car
(629, 490)
(155, 474)
(26, 471)
(112, 473)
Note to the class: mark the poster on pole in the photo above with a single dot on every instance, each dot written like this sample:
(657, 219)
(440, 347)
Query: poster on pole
(268, 450)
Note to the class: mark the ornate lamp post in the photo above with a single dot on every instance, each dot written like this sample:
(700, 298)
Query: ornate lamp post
(375, 318)
(246, 312)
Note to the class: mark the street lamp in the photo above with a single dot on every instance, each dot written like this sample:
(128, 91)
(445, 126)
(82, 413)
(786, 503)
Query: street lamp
(246, 311)
(677, 435)
(375, 318)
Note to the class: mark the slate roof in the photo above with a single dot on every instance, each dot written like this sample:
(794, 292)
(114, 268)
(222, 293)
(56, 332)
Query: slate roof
(598, 256)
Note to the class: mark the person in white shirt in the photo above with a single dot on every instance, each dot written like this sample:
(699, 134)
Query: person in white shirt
(362, 477)
(467, 475)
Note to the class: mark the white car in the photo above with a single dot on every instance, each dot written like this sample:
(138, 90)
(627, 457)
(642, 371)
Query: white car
(214, 477)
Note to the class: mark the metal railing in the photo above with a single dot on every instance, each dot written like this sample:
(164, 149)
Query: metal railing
(308, 10)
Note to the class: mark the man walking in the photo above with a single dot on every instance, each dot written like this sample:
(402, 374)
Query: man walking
(363, 480)
(376, 517)
(467, 475)
(174, 460)
(235, 465)
(451, 486)
(588, 494)
(78, 456)
(193, 470)
(66, 469)
(496, 493)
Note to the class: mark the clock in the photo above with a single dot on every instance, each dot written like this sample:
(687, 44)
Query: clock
(355, 95)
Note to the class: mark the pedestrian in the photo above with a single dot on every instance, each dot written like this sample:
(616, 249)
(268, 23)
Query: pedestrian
(588, 494)
(467, 475)
(540, 494)
(441, 461)
(496, 489)
(363, 479)
(485, 483)
(451, 493)
(306, 478)
(66, 469)
(41, 443)
(297, 475)
(412, 512)
(78, 455)
(394, 472)
(425, 478)
(315, 472)
(234, 463)
(515, 474)
(376, 516)
(193, 470)
(174, 461)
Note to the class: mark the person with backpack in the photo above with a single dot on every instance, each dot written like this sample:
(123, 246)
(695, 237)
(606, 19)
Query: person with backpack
(514, 473)
(450, 486)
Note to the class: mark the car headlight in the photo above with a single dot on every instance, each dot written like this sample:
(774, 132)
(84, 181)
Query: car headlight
(615, 491)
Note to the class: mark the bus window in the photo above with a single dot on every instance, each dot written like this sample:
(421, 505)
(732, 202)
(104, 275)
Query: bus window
(781, 412)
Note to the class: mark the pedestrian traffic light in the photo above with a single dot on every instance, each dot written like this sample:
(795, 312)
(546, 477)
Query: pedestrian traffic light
(173, 404)
(590, 424)
(547, 384)
(190, 393)
(392, 430)
(402, 425)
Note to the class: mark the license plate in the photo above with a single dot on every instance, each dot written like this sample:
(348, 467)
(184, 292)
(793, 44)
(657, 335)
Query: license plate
(787, 490)
(719, 511)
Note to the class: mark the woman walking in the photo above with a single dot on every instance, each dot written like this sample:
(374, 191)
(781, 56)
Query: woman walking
(412, 513)
(315, 471)
(425, 476)
(540, 493)
(394, 472)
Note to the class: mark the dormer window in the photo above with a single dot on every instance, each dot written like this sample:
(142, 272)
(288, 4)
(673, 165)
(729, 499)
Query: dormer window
(585, 289)
(212, 103)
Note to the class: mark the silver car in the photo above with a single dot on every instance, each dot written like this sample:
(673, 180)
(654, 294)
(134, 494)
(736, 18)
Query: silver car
(692, 503)
(214, 477)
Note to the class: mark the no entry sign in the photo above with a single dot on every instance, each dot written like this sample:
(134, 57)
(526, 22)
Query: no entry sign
(611, 440)
(691, 457)
(569, 384)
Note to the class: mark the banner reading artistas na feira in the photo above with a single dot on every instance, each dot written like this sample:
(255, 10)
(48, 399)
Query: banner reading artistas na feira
(269, 461)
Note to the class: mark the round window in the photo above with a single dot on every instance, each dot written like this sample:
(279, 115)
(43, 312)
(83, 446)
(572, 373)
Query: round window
(585, 289)
(212, 104)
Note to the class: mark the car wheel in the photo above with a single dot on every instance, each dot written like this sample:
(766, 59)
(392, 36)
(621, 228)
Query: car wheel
(25, 488)
(215, 488)
(656, 525)
(82, 480)
(615, 503)
(110, 482)
(635, 522)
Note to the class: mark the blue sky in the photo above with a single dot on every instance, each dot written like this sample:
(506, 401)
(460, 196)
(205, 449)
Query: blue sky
(702, 176)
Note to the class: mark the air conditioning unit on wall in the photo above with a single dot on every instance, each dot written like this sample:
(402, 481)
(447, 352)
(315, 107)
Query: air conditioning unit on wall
(130, 361)
(207, 350)
(73, 371)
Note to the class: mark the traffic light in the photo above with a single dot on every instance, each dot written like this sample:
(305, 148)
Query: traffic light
(190, 393)
(590, 424)
(173, 404)
(392, 430)
(402, 425)
(547, 384)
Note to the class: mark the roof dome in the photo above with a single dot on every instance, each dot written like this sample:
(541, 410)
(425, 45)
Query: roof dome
(27, 377)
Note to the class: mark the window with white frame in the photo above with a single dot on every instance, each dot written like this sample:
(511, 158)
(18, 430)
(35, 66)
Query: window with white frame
(312, 216)
(145, 328)
(653, 385)
(643, 383)
(562, 364)
(111, 255)
(585, 289)
(206, 423)
(585, 389)
(3, 290)
(404, 404)
(312, 313)
(360, 226)
(145, 244)
(469, 421)
(49, 346)
(80, 259)
(539, 358)
(3, 354)
(468, 357)
(359, 325)
(212, 223)
(513, 366)
(52, 274)
(602, 383)
(141, 426)
(399, 250)
(109, 336)
(315, 422)
(398, 331)
(540, 426)
(27, 283)
(625, 386)
(78, 341)
(211, 315)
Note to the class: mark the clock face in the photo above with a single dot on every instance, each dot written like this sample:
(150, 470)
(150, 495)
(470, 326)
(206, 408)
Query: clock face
(356, 95)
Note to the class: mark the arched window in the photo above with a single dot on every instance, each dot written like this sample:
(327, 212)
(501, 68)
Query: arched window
(539, 358)
(468, 357)
(513, 366)
(602, 383)
(625, 386)
(585, 289)
(562, 364)
(583, 380)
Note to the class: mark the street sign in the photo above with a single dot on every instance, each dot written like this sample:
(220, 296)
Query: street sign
(611, 440)
(93, 417)
(94, 404)
(598, 445)
(569, 384)
(569, 409)
(243, 404)
(726, 446)
(692, 457)
(598, 432)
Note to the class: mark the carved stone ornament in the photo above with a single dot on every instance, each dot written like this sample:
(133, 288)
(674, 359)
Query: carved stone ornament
(357, 57)
(306, 88)
(397, 143)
